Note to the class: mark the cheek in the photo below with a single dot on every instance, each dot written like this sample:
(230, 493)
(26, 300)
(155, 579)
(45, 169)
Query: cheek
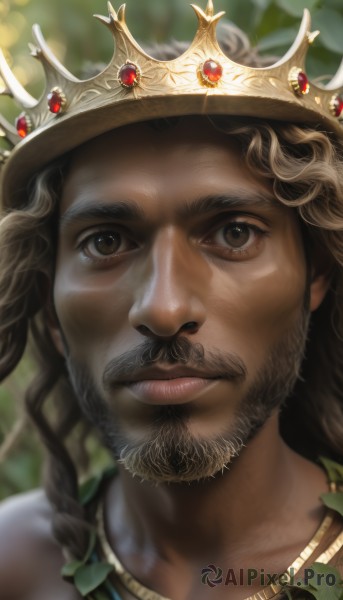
(259, 303)
(91, 311)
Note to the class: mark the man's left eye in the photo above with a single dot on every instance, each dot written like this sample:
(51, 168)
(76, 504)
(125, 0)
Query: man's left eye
(236, 235)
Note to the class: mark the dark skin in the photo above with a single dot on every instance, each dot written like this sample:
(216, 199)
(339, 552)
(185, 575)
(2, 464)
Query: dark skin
(164, 272)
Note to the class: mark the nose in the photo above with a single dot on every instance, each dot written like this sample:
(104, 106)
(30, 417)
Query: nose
(169, 293)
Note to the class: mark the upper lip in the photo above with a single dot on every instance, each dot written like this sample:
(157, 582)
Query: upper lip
(165, 373)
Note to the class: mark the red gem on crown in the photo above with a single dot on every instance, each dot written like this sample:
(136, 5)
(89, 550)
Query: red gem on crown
(129, 75)
(56, 101)
(211, 72)
(303, 83)
(336, 106)
(23, 125)
(299, 81)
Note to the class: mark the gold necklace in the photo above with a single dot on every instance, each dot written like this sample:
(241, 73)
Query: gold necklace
(143, 593)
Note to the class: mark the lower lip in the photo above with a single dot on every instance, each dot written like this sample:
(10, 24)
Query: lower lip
(170, 391)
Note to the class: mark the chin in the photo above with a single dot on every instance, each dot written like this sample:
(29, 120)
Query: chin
(173, 455)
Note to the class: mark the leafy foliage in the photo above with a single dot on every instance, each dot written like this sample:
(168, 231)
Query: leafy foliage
(314, 588)
(21, 470)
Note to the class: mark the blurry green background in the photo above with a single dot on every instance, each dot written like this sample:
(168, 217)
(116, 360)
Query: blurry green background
(76, 39)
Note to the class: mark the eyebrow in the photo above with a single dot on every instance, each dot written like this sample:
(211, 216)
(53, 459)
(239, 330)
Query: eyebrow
(88, 210)
(129, 211)
(209, 204)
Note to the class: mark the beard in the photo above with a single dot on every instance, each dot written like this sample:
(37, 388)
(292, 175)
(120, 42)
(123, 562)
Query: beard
(169, 452)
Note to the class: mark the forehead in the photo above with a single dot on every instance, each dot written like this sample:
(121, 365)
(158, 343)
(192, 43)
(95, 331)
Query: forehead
(189, 158)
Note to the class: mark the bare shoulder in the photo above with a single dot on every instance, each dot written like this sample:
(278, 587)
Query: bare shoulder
(30, 559)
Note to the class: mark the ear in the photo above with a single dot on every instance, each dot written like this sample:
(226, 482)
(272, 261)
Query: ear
(56, 337)
(321, 277)
(54, 326)
(318, 290)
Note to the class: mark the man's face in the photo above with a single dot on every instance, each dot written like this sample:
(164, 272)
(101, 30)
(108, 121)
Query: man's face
(180, 292)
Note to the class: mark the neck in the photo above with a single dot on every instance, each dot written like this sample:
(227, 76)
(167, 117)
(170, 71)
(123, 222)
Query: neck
(202, 520)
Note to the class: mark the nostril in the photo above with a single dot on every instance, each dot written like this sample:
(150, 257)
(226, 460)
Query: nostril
(144, 330)
(190, 327)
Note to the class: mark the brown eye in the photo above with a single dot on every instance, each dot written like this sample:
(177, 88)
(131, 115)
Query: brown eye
(237, 234)
(106, 243)
(102, 245)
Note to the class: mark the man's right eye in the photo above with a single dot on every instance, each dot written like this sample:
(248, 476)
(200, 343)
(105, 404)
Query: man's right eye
(105, 244)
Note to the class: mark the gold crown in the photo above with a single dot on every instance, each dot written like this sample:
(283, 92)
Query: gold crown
(136, 87)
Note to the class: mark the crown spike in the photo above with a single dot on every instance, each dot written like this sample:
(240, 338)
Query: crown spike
(122, 14)
(14, 88)
(300, 43)
(47, 57)
(113, 16)
(210, 9)
(112, 12)
(8, 131)
(207, 19)
(125, 42)
(337, 80)
(312, 35)
(106, 20)
(206, 34)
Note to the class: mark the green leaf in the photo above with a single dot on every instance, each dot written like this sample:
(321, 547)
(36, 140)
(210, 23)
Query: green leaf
(89, 489)
(330, 24)
(334, 470)
(277, 39)
(69, 569)
(317, 585)
(334, 500)
(295, 8)
(89, 577)
(91, 546)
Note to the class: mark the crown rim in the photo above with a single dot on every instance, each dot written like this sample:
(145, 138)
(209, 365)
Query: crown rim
(70, 133)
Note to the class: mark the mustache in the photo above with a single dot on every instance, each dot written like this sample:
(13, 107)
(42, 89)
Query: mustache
(179, 351)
